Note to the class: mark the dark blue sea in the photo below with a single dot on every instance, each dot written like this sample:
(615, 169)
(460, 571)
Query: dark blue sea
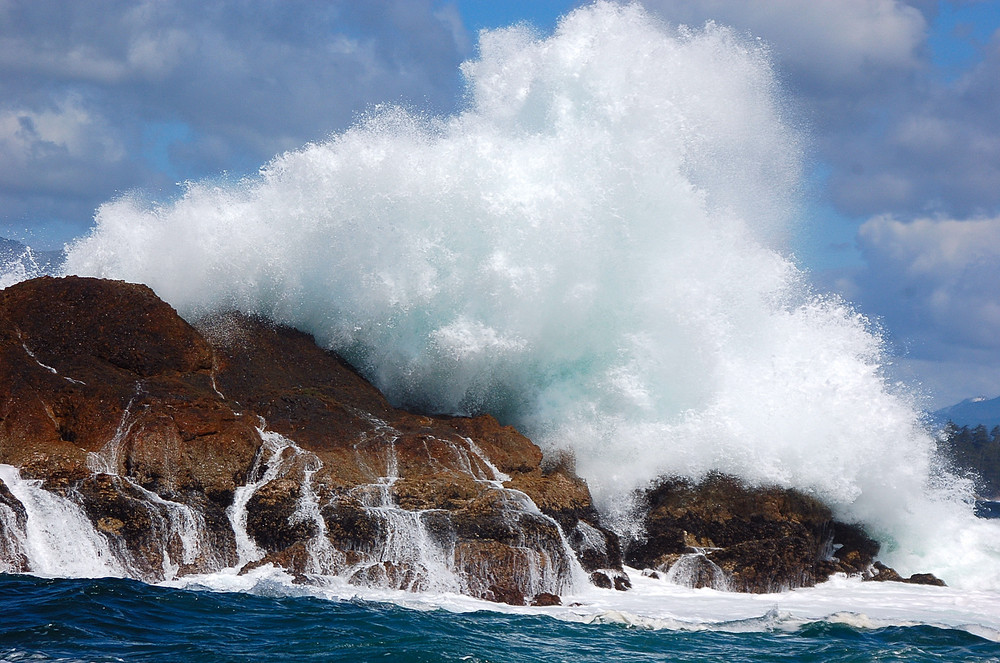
(596, 249)
(124, 620)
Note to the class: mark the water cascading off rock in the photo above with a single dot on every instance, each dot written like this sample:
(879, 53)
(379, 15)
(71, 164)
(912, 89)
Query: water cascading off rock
(187, 451)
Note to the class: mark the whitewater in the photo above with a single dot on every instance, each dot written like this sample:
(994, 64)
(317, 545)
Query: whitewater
(595, 249)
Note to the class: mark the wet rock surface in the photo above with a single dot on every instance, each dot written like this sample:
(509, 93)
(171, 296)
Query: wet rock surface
(237, 443)
(723, 534)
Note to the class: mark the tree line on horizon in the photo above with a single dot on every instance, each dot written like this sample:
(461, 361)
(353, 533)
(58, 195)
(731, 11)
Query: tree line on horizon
(975, 450)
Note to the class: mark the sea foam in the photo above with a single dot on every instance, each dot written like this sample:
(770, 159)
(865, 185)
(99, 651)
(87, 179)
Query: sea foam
(593, 249)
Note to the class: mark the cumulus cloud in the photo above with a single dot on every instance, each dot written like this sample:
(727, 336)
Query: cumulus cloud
(940, 153)
(84, 87)
(826, 48)
(935, 282)
(909, 146)
(936, 276)
(896, 135)
(38, 145)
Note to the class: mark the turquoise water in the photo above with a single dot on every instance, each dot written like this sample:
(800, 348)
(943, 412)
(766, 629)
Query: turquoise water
(123, 620)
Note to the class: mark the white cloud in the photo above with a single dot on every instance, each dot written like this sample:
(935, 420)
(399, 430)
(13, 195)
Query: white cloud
(38, 144)
(81, 82)
(935, 278)
(934, 282)
(829, 43)
(898, 136)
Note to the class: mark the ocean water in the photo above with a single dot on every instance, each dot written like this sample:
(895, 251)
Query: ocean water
(594, 248)
(48, 619)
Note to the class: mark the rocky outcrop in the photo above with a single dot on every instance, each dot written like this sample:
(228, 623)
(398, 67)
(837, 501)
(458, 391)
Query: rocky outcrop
(134, 443)
(723, 534)
(240, 443)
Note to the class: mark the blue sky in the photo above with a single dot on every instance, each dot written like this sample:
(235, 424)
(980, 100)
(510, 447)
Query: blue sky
(899, 100)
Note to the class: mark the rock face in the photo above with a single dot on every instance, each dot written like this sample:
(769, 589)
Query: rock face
(719, 533)
(240, 443)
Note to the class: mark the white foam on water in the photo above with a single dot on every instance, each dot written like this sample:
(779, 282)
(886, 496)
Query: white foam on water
(659, 605)
(590, 249)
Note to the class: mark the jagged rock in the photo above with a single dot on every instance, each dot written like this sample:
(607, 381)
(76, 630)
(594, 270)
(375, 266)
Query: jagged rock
(12, 554)
(763, 539)
(601, 579)
(882, 573)
(611, 579)
(853, 550)
(879, 572)
(270, 516)
(444, 468)
(155, 428)
(82, 358)
(720, 533)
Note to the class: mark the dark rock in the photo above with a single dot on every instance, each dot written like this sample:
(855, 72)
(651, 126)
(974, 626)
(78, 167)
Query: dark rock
(853, 550)
(879, 572)
(925, 579)
(601, 579)
(762, 539)
(721, 533)
(611, 579)
(270, 516)
(545, 599)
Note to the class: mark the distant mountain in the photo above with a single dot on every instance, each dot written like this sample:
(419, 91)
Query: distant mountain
(972, 412)
(9, 249)
(14, 254)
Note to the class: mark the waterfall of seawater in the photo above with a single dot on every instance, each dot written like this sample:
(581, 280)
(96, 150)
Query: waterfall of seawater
(179, 528)
(406, 550)
(267, 467)
(56, 538)
(697, 570)
(591, 249)
(405, 539)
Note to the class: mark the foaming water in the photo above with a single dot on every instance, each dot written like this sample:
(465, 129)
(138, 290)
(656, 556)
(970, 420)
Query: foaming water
(81, 620)
(591, 250)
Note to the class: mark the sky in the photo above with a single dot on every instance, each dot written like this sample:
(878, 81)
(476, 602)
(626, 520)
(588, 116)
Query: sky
(899, 100)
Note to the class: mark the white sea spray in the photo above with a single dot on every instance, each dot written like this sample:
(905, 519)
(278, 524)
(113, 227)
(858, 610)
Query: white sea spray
(592, 250)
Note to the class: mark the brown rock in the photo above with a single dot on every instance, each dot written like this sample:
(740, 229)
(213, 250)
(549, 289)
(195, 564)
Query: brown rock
(150, 424)
(436, 463)
(925, 579)
(546, 599)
